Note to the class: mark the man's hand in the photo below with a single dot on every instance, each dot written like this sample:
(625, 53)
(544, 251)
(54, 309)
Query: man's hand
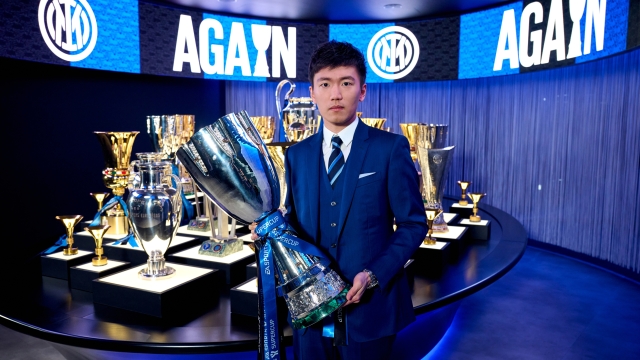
(360, 283)
(253, 227)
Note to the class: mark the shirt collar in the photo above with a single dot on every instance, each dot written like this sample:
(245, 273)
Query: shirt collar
(346, 134)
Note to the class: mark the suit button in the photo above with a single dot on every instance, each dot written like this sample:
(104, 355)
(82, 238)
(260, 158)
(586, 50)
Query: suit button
(333, 203)
(333, 245)
(333, 224)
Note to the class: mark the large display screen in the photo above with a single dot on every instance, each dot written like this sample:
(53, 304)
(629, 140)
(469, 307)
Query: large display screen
(139, 37)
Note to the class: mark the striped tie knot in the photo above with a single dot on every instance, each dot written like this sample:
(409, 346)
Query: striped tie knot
(336, 160)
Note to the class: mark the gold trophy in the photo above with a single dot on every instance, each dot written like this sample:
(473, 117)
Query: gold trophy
(463, 186)
(377, 123)
(70, 221)
(410, 131)
(265, 126)
(431, 215)
(97, 232)
(116, 149)
(475, 197)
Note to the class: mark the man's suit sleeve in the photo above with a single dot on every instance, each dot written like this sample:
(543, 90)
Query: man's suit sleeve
(406, 205)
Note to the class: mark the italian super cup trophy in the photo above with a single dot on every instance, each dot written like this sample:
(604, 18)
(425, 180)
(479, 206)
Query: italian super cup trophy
(434, 160)
(116, 150)
(232, 166)
(410, 131)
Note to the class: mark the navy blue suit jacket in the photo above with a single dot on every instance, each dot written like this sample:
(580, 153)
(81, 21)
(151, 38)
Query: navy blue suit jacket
(368, 208)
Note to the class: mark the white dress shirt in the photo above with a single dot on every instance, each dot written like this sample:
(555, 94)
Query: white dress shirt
(346, 135)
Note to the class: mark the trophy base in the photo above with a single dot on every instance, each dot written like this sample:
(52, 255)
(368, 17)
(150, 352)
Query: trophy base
(429, 241)
(119, 225)
(70, 251)
(220, 248)
(202, 224)
(99, 261)
(322, 311)
(163, 273)
(474, 218)
(463, 203)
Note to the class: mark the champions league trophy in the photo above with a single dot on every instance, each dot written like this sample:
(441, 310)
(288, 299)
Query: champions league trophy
(231, 164)
(155, 210)
(434, 160)
(116, 149)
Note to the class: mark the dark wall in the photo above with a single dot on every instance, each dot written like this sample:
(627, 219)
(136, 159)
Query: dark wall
(52, 159)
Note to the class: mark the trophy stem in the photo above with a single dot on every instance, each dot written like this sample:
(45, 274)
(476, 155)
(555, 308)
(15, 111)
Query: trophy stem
(70, 250)
(156, 268)
(475, 217)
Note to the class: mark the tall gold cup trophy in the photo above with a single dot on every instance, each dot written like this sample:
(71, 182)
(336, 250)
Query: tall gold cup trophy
(410, 131)
(70, 221)
(116, 150)
(464, 185)
(431, 216)
(475, 197)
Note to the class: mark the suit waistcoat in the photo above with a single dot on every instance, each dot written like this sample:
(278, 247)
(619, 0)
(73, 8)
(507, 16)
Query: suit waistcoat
(329, 211)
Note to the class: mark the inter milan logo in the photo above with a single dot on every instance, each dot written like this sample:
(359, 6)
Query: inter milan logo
(68, 27)
(393, 52)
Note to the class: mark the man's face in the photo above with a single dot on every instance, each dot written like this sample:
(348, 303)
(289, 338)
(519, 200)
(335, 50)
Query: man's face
(337, 93)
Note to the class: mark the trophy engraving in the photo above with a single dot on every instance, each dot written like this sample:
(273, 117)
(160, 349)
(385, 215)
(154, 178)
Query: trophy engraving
(116, 150)
(97, 233)
(155, 210)
(247, 188)
(70, 221)
(475, 197)
(431, 216)
(463, 186)
(434, 160)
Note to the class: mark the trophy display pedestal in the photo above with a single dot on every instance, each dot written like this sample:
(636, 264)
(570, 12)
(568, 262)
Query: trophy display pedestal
(246, 238)
(137, 255)
(81, 277)
(57, 265)
(455, 233)
(449, 217)
(185, 230)
(232, 265)
(84, 241)
(252, 270)
(244, 298)
(160, 297)
(480, 230)
(463, 210)
(433, 258)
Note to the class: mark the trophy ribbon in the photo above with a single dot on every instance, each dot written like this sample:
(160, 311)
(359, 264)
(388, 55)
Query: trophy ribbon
(61, 242)
(271, 227)
(129, 238)
(186, 204)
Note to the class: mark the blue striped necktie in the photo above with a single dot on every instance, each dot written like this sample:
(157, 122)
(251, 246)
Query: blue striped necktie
(336, 160)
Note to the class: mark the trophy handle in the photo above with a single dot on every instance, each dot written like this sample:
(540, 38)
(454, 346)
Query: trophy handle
(177, 196)
(134, 176)
(286, 97)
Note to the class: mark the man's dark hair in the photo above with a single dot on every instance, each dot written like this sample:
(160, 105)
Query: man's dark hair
(333, 54)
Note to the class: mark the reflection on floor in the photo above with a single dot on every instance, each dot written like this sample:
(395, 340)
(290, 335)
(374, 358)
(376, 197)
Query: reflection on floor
(547, 307)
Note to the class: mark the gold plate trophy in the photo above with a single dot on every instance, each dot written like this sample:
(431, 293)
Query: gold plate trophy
(97, 232)
(70, 221)
(475, 197)
(464, 185)
(116, 149)
(431, 215)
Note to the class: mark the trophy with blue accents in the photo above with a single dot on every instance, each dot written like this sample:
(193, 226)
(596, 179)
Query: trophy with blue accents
(231, 164)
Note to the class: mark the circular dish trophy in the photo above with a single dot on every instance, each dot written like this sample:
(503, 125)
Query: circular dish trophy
(97, 233)
(475, 197)
(431, 215)
(70, 221)
(464, 185)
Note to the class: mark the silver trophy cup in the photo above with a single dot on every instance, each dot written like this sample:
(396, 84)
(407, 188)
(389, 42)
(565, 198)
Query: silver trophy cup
(434, 160)
(231, 164)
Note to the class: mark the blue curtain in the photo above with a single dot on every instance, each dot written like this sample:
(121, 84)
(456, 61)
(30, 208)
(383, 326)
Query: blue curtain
(558, 149)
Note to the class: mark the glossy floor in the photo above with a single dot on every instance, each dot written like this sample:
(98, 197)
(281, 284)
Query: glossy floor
(547, 307)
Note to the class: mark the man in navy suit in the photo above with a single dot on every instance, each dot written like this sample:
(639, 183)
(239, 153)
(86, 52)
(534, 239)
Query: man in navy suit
(346, 185)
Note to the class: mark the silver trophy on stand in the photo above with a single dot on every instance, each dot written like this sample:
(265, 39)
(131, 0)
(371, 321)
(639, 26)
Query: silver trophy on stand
(231, 164)
(434, 160)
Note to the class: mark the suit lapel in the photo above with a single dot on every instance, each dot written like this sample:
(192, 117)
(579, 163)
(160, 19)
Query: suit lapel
(352, 170)
(313, 176)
